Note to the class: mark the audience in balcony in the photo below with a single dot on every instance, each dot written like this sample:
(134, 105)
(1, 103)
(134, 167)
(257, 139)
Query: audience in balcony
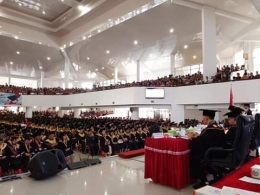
(222, 75)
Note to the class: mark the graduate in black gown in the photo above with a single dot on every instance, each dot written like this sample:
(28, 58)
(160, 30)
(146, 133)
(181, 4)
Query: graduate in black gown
(231, 133)
(247, 109)
(26, 151)
(212, 136)
(65, 146)
(4, 161)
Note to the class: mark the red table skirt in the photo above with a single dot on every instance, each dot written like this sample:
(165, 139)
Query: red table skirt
(167, 161)
(232, 180)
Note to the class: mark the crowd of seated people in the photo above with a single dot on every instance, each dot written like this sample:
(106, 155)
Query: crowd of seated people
(222, 75)
(21, 139)
(93, 114)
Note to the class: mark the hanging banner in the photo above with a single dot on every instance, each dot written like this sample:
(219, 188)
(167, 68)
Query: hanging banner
(10, 99)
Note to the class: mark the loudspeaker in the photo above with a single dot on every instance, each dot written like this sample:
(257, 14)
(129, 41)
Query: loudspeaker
(46, 164)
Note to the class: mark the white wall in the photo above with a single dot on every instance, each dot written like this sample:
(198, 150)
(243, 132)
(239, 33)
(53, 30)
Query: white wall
(243, 91)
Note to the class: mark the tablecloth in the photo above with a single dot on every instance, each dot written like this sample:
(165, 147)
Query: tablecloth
(167, 161)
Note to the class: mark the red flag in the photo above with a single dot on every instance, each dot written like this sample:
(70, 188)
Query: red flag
(231, 103)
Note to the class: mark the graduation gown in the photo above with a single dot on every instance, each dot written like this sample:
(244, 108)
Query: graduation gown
(26, 154)
(230, 136)
(212, 136)
(64, 146)
(4, 161)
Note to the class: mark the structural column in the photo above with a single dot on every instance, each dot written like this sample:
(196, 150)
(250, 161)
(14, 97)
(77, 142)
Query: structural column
(60, 113)
(172, 64)
(66, 73)
(209, 41)
(177, 113)
(28, 112)
(9, 81)
(116, 76)
(77, 113)
(42, 77)
(138, 71)
(249, 61)
(134, 113)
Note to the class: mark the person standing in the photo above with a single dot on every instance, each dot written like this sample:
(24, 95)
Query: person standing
(247, 109)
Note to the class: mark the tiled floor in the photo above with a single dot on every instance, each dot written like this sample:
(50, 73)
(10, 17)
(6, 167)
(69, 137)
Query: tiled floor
(115, 176)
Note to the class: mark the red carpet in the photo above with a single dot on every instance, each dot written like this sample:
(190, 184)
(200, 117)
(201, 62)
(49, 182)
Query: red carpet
(132, 153)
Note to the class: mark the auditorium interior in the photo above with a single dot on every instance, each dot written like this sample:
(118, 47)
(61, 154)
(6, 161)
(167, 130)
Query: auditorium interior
(113, 97)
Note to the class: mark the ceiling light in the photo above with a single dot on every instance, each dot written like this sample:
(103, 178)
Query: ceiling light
(113, 74)
(16, 37)
(89, 36)
(20, 4)
(18, 52)
(83, 8)
(40, 43)
(43, 12)
(62, 0)
(88, 58)
(40, 67)
(108, 52)
(0, 26)
(194, 57)
(96, 69)
(71, 43)
(11, 63)
(171, 30)
(185, 46)
(99, 30)
(48, 58)
(84, 38)
(151, 55)
(135, 42)
(103, 68)
(20, 32)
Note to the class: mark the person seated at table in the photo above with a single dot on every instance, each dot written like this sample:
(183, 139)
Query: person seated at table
(212, 136)
(231, 133)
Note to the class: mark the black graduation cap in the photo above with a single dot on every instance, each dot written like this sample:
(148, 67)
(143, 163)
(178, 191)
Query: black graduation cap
(27, 137)
(235, 109)
(232, 114)
(37, 133)
(13, 97)
(209, 113)
(1, 139)
(248, 105)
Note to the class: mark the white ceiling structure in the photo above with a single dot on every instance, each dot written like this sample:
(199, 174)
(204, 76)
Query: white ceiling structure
(98, 35)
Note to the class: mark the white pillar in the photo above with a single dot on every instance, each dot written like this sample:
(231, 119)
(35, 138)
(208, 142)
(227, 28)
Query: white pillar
(28, 112)
(177, 113)
(249, 62)
(138, 70)
(172, 64)
(66, 73)
(209, 41)
(42, 77)
(60, 113)
(77, 113)
(116, 76)
(9, 81)
(135, 113)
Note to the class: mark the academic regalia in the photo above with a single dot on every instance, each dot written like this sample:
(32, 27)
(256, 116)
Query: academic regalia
(92, 142)
(114, 144)
(26, 153)
(81, 137)
(104, 143)
(231, 133)
(64, 146)
(4, 160)
(212, 136)
(13, 153)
